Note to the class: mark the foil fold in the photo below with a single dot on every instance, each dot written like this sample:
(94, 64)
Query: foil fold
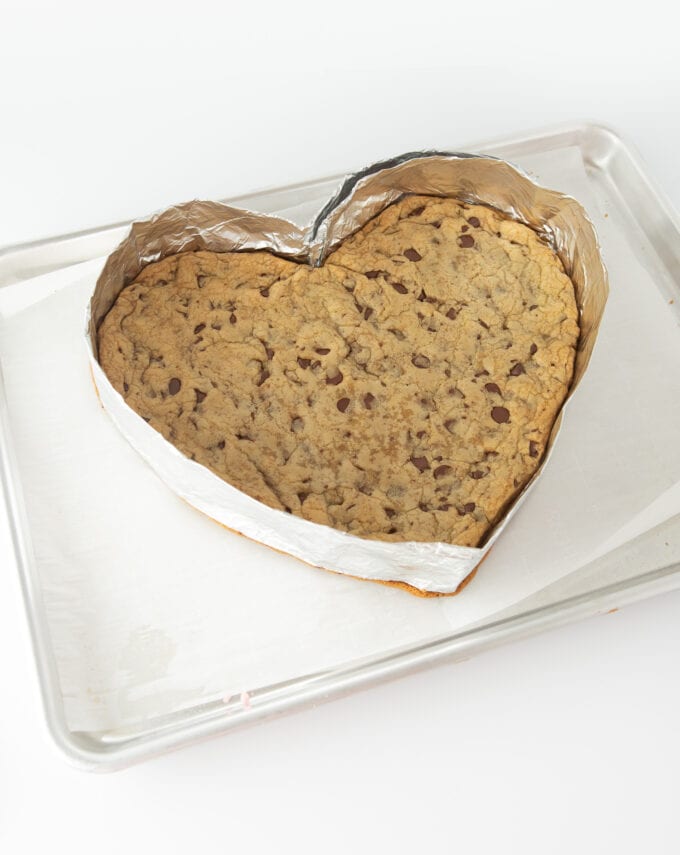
(434, 568)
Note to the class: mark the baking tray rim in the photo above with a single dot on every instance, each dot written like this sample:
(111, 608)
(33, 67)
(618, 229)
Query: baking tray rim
(106, 753)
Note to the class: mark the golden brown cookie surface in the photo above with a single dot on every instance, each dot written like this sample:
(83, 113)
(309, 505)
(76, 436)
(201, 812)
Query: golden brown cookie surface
(403, 391)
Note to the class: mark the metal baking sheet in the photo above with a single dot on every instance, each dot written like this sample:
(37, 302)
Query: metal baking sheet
(636, 560)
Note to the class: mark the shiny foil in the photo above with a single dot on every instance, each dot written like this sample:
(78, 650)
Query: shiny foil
(435, 568)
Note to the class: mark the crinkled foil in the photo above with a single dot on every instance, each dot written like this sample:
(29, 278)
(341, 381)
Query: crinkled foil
(430, 567)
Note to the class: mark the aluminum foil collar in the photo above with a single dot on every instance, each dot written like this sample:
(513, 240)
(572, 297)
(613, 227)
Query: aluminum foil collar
(559, 219)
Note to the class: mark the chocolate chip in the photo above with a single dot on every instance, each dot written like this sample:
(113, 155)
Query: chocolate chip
(533, 448)
(392, 530)
(532, 350)
(517, 369)
(422, 298)
(500, 415)
(474, 221)
(335, 380)
(420, 360)
(452, 314)
(466, 241)
(492, 387)
(322, 351)
(444, 507)
(441, 471)
(398, 334)
(232, 318)
(469, 507)
(269, 352)
(264, 375)
(303, 363)
(482, 323)
(199, 328)
(302, 497)
(264, 292)
(399, 288)
(369, 400)
(200, 396)
(412, 254)
(420, 463)
(465, 228)
(174, 385)
(221, 444)
(450, 425)
(422, 506)
(477, 474)
(126, 388)
(532, 307)
(389, 513)
(368, 311)
(416, 212)
(482, 373)
(342, 404)
(421, 434)
(373, 274)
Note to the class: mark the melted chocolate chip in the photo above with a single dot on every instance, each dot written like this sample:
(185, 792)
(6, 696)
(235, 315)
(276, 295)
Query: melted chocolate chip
(342, 404)
(335, 380)
(465, 228)
(200, 396)
(303, 363)
(322, 351)
(199, 328)
(412, 254)
(369, 400)
(466, 241)
(452, 314)
(516, 370)
(421, 463)
(492, 387)
(420, 360)
(474, 221)
(174, 385)
(441, 471)
(399, 288)
(533, 448)
(500, 415)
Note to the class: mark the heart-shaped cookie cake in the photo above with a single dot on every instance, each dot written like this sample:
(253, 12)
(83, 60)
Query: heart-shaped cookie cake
(403, 391)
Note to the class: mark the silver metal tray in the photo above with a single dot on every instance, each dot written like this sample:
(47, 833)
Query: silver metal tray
(638, 212)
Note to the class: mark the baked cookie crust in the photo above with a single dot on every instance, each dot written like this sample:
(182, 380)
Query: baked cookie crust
(405, 390)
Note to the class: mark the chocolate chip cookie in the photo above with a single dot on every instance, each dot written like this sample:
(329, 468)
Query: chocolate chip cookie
(405, 390)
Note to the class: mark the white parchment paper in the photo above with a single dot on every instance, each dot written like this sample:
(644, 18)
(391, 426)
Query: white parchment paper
(153, 608)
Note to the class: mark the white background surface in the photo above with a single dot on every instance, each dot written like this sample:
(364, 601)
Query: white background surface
(568, 741)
